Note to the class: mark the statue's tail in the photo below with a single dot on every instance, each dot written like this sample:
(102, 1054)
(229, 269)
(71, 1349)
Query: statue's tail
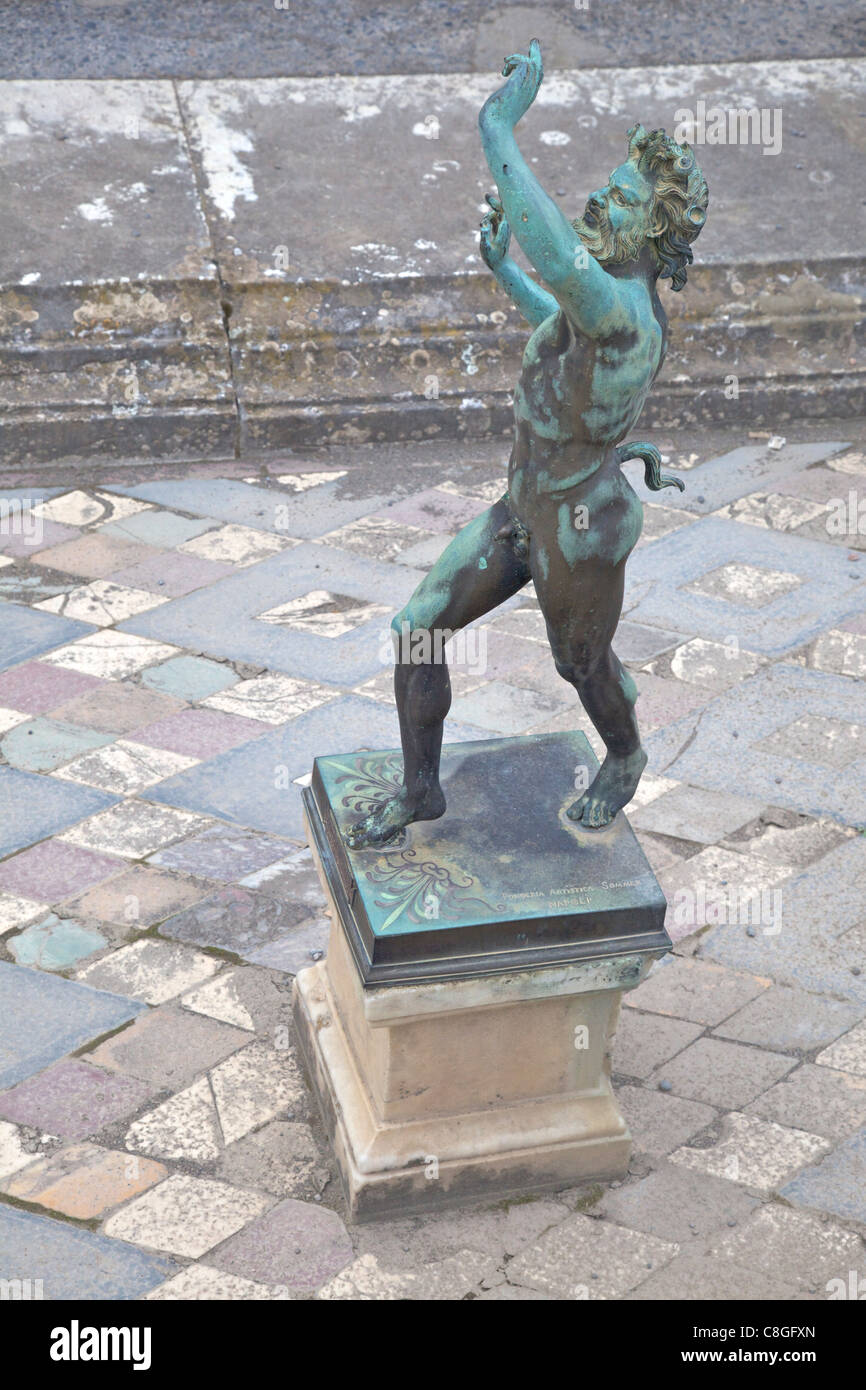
(653, 476)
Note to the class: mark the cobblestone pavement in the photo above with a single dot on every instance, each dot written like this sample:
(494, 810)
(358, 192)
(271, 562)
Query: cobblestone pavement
(177, 643)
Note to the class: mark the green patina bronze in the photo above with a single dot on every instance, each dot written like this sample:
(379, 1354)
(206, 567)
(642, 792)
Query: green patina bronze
(569, 518)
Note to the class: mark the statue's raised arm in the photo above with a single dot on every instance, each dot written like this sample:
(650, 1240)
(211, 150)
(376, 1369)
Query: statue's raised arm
(551, 243)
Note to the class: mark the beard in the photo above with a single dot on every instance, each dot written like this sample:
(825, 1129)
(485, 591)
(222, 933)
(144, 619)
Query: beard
(604, 243)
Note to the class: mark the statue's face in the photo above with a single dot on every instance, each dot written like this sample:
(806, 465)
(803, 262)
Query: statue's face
(618, 218)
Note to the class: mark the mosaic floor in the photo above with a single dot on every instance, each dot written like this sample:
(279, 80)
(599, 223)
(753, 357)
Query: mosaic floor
(174, 652)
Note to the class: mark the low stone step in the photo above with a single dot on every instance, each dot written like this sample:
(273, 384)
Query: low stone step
(277, 263)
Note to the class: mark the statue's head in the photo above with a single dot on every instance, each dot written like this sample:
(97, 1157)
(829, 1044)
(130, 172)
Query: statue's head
(657, 197)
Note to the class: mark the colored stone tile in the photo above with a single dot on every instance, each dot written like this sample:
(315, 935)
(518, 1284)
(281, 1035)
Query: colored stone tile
(235, 545)
(840, 651)
(253, 784)
(42, 1017)
(508, 709)
(10, 717)
(54, 870)
(73, 1099)
(245, 997)
(837, 1184)
(296, 1244)
(43, 744)
(637, 643)
(234, 920)
(101, 603)
(646, 1041)
(323, 613)
(732, 744)
(190, 677)
(118, 707)
(36, 537)
(815, 950)
(694, 991)
(149, 970)
(292, 879)
(586, 1259)
(819, 739)
(744, 470)
(302, 946)
(75, 1264)
(253, 1086)
(848, 1053)
(809, 1251)
(271, 699)
(378, 537)
(171, 575)
(698, 1277)
(134, 830)
(436, 510)
(199, 620)
(93, 556)
(713, 665)
(182, 1129)
(773, 509)
(816, 1099)
(467, 1272)
(33, 807)
(823, 591)
(201, 733)
(83, 509)
(157, 527)
(261, 508)
(13, 1155)
(84, 1181)
(200, 1282)
(167, 1047)
(55, 944)
(725, 1074)
(38, 686)
(792, 1020)
(223, 853)
(17, 912)
(661, 701)
(26, 633)
(677, 1204)
(138, 898)
(281, 1158)
(110, 655)
(688, 814)
(186, 1216)
(745, 586)
(757, 1153)
(125, 767)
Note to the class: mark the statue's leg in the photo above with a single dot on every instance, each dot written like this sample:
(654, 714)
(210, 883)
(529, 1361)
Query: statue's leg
(475, 573)
(581, 605)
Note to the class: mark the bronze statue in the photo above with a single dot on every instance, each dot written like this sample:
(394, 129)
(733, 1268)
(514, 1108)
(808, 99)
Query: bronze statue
(569, 518)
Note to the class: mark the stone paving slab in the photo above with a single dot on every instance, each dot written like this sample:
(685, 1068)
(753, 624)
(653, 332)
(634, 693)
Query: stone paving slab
(190, 903)
(43, 1018)
(75, 1264)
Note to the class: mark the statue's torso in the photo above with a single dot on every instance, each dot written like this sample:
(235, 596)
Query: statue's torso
(577, 397)
(575, 391)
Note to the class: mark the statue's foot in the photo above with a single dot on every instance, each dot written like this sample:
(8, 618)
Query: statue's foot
(392, 816)
(613, 787)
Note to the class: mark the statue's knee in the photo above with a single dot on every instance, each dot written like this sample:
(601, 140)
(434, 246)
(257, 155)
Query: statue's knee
(578, 667)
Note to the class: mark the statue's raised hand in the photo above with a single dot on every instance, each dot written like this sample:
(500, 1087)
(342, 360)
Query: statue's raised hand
(495, 234)
(524, 72)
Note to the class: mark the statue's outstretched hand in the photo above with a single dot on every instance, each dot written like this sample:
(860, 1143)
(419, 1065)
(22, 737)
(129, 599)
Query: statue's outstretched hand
(495, 234)
(524, 72)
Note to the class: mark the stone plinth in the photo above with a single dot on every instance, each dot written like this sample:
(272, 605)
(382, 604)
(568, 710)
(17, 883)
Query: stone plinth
(458, 1033)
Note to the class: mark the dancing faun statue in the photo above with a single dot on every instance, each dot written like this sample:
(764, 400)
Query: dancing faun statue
(569, 518)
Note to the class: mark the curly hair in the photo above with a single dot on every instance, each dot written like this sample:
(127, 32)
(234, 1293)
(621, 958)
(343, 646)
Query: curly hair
(679, 198)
